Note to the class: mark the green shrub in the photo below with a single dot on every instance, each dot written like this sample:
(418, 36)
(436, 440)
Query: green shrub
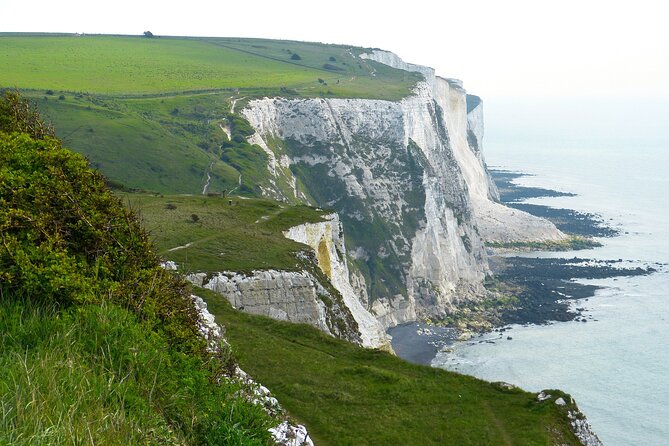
(99, 343)
(66, 240)
(17, 115)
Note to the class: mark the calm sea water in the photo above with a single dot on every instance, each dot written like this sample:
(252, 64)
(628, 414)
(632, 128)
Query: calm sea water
(616, 365)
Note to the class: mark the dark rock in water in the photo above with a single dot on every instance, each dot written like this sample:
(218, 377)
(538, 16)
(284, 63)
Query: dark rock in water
(419, 342)
(545, 286)
(510, 192)
(570, 221)
(567, 220)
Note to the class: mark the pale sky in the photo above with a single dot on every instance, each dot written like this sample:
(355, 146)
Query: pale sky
(503, 48)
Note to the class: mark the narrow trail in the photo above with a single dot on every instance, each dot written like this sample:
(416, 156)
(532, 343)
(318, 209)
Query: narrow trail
(208, 173)
(238, 185)
(187, 245)
(233, 104)
(226, 130)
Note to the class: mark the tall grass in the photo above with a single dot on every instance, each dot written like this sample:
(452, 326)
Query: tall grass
(95, 375)
(348, 395)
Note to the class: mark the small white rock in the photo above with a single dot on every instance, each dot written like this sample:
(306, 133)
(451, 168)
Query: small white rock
(169, 265)
(543, 396)
(285, 434)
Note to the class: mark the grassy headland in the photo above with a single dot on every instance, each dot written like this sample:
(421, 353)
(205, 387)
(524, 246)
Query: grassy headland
(348, 395)
(212, 235)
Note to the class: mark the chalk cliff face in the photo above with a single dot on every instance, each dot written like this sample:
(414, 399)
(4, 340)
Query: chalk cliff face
(496, 223)
(327, 241)
(320, 295)
(296, 296)
(464, 121)
(409, 183)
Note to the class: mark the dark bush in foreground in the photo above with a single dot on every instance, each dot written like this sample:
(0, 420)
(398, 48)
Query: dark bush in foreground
(65, 239)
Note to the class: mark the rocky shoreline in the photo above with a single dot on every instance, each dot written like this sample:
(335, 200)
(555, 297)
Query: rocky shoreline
(546, 287)
(531, 291)
(572, 222)
(523, 289)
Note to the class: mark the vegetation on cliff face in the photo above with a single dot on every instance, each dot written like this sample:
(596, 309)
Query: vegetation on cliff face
(99, 344)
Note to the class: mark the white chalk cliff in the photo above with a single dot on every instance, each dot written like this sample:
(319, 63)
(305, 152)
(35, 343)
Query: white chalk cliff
(295, 296)
(409, 182)
(463, 118)
(324, 298)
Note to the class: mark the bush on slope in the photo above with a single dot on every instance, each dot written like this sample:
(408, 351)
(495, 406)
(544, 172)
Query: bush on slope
(100, 345)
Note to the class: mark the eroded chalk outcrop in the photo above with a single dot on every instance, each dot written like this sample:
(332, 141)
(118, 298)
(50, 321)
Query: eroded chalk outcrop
(409, 182)
(295, 296)
(327, 241)
(578, 423)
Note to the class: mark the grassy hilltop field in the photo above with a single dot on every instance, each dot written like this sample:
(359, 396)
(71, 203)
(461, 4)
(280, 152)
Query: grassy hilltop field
(148, 112)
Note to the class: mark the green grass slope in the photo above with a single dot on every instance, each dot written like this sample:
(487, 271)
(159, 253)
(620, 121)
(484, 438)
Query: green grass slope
(211, 235)
(115, 65)
(100, 345)
(137, 151)
(96, 375)
(148, 112)
(348, 395)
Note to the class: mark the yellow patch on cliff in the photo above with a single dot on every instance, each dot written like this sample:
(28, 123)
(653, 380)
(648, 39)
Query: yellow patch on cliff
(323, 257)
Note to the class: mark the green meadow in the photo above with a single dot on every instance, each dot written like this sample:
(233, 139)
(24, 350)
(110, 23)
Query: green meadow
(348, 395)
(125, 65)
(148, 112)
(212, 235)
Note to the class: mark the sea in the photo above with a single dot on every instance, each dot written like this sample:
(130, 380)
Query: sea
(614, 154)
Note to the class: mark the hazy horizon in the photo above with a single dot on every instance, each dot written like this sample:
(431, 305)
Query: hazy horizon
(633, 122)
